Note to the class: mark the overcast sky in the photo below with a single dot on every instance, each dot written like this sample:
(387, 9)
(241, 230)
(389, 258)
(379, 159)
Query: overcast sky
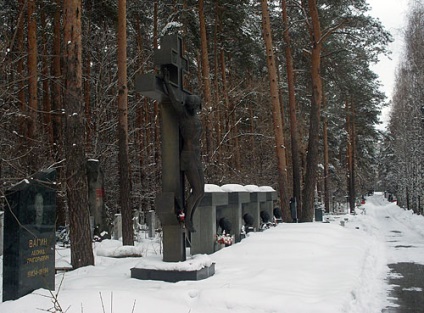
(392, 14)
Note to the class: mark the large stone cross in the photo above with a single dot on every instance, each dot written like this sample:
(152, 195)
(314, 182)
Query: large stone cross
(169, 57)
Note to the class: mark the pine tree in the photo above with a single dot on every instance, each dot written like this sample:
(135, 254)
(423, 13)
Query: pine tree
(276, 105)
(123, 157)
(76, 179)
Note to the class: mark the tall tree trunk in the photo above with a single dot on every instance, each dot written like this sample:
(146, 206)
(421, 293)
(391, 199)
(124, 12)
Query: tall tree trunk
(87, 78)
(297, 172)
(20, 71)
(156, 118)
(276, 106)
(226, 105)
(57, 80)
(32, 82)
(56, 106)
(207, 94)
(217, 32)
(76, 174)
(314, 124)
(47, 114)
(350, 154)
(353, 170)
(326, 160)
(123, 155)
(141, 123)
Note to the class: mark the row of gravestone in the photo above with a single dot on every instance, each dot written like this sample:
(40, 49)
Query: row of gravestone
(231, 203)
(28, 261)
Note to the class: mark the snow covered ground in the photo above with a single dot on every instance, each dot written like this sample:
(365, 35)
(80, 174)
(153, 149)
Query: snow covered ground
(308, 267)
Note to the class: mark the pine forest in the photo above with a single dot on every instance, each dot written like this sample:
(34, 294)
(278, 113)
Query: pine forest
(288, 100)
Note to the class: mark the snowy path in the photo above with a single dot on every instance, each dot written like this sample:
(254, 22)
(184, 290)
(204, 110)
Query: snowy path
(405, 241)
(404, 237)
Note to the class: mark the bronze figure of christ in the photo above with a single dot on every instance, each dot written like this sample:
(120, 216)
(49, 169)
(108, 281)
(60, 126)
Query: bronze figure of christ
(190, 159)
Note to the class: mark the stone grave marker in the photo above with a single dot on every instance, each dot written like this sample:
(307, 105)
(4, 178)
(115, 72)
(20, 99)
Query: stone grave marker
(237, 197)
(257, 196)
(180, 133)
(1, 231)
(151, 223)
(169, 57)
(29, 236)
(203, 241)
(181, 158)
(117, 227)
(96, 192)
(271, 197)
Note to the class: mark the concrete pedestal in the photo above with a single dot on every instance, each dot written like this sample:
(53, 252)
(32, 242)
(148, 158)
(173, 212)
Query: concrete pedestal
(237, 197)
(204, 219)
(253, 207)
(172, 276)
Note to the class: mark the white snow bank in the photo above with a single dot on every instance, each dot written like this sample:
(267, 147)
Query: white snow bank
(212, 188)
(252, 188)
(233, 188)
(193, 263)
(266, 188)
(120, 252)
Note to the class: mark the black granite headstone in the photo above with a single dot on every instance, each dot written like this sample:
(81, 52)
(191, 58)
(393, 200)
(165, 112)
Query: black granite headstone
(29, 236)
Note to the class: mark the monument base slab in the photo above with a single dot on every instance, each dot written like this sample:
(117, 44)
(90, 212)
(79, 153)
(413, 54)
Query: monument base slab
(172, 276)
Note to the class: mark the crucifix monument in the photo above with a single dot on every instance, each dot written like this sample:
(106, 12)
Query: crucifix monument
(180, 133)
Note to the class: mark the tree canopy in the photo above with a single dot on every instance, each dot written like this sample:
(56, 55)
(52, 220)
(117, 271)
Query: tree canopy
(238, 146)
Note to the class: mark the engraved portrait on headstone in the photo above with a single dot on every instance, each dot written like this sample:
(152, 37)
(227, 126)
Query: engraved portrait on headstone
(39, 209)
